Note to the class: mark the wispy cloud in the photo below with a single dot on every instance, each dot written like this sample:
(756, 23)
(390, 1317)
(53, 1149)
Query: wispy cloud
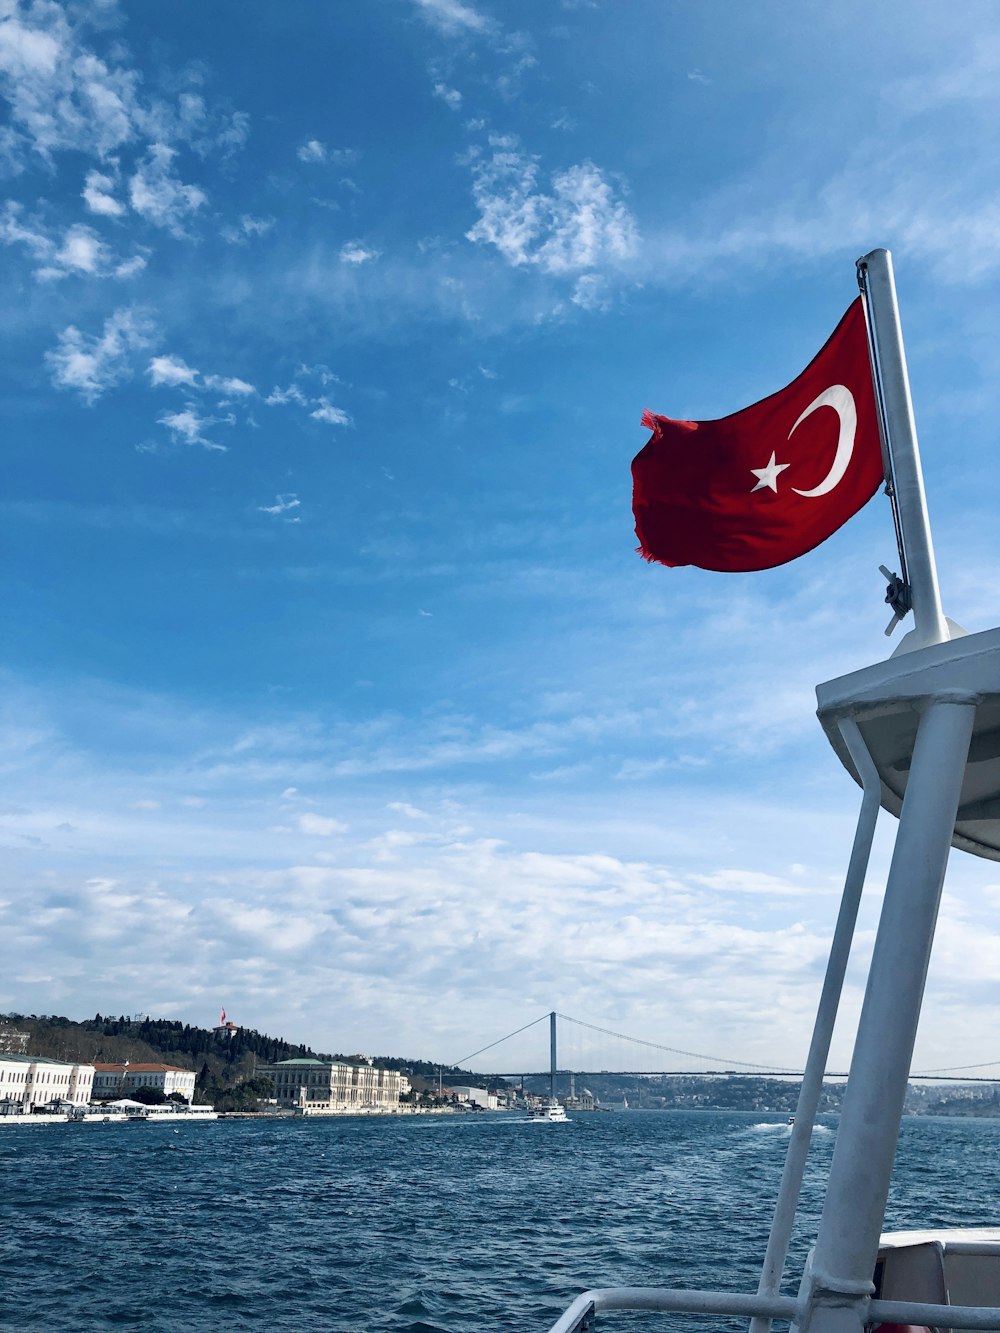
(170, 370)
(174, 372)
(320, 826)
(189, 427)
(64, 97)
(455, 17)
(356, 252)
(283, 504)
(229, 386)
(77, 251)
(90, 365)
(450, 96)
(312, 151)
(332, 416)
(580, 224)
(161, 197)
(248, 228)
(98, 197)
(292, 394)
(319, 406)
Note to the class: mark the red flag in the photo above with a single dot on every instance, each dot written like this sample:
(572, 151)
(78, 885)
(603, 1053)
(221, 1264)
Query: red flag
(765, 485)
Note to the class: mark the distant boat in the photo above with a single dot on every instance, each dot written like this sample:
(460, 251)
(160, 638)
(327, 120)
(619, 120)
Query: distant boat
(552, 1111)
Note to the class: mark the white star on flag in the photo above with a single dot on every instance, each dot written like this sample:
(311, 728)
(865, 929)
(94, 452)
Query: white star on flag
(768, 476)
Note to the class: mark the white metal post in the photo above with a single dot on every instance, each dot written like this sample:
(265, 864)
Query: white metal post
(892, 387)
(839, 1273)
(826, 1015)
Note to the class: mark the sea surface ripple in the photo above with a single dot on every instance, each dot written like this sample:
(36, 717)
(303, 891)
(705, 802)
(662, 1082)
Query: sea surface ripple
(438, 1224)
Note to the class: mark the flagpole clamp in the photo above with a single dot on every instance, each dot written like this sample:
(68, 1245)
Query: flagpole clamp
(898, 595)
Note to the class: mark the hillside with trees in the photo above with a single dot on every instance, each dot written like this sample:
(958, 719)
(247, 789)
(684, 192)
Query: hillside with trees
(226, 1065)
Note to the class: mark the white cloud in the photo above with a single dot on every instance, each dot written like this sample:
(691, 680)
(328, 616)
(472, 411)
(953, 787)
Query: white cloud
(171, 371)
(82, 250)
(79, 250)
(282, 504)
(455, 18)
(591, 292)
(61, 95)
(410, 811)
(229, 385)
(14, 232)
(189, 427)
(321, 408)
(128, 268)
(354, 252)
(580, 225)
(333, 416)
(319, 826)
(92, 365)
(65, 98)
(450, 96)
(97, 196)
(160, 197)
(293, 394)
(247, 227)
(312, 151)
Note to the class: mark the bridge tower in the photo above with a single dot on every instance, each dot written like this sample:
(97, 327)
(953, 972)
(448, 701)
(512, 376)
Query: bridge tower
(552, 1055)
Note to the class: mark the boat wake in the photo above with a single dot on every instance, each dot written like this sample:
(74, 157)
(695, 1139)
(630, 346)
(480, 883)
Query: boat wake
(777, 1130)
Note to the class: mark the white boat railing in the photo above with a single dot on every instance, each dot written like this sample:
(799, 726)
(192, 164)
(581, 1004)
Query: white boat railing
(580, 1316)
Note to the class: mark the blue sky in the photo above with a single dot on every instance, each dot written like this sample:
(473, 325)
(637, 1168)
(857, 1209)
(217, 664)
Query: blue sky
(333, 689)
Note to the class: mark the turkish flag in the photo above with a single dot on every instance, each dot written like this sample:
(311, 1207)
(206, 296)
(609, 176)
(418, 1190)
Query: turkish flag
(765, 485)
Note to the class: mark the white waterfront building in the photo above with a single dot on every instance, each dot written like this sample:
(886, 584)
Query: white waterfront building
(118, 1080)
(333, 1087)
(27, 1081)
(477, 1096)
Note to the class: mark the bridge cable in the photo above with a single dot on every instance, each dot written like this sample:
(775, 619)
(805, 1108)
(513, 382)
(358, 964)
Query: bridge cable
(951, 1069)
(674, 1050)
(457, 1063)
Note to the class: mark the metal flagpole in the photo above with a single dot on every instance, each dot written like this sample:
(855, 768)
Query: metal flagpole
(899, 433)
(837, 1280)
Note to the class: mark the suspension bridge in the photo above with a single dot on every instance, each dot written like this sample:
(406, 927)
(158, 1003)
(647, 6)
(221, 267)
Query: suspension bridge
(581, 1049)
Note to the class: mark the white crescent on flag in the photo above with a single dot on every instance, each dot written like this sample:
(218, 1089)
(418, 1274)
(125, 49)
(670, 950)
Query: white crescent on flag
(840, 398)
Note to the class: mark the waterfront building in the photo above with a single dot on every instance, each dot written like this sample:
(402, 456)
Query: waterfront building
(477, 1096)
(331, 1087)
(118, 1080)
(27, 1081)
(13, 1042)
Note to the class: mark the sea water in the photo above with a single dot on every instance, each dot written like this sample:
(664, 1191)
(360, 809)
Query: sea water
(423, 1224)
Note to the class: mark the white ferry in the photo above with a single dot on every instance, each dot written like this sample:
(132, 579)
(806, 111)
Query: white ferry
(553, 1111)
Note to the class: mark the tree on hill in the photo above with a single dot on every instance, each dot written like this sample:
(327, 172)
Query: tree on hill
(148, 1096)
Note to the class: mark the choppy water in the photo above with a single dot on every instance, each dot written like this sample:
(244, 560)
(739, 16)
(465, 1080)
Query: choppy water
(423, 1225)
